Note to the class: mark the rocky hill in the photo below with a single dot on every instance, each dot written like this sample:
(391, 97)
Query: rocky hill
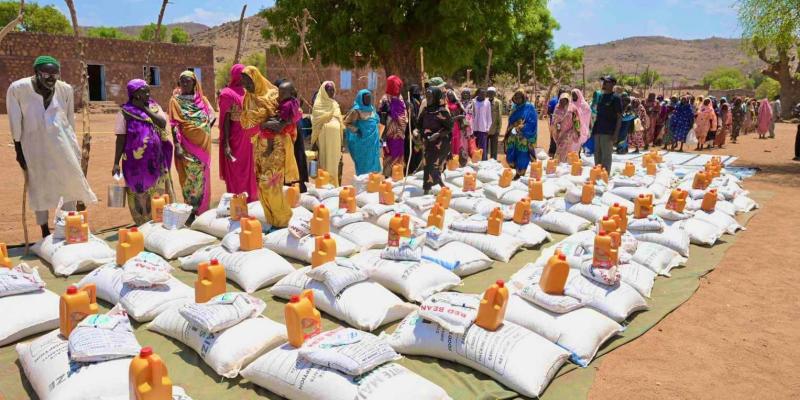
(684, 61)
(223, 38)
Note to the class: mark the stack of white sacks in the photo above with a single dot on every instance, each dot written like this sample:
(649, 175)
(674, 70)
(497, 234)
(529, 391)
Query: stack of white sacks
(373, 278)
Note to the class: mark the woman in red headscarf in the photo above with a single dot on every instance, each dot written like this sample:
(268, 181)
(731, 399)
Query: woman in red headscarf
(236, 165)
(393, 116)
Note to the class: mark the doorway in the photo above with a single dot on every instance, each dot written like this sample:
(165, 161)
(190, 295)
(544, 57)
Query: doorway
(97, 82)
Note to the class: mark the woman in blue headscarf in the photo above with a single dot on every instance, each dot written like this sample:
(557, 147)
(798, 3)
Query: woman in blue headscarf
(361, 130)
(521, 135)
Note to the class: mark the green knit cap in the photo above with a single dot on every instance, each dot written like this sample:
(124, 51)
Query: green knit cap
(46, 60)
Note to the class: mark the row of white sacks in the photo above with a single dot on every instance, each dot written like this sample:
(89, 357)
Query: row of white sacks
(556, 334)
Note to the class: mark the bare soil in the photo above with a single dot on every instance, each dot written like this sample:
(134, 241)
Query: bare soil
(737, 337)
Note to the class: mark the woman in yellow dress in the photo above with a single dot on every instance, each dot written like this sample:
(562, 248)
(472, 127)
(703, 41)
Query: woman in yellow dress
(327, 127)
(273, 143)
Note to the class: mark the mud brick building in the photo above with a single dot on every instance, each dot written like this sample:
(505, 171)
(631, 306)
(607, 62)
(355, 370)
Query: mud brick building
(110, 63)
(348, 81)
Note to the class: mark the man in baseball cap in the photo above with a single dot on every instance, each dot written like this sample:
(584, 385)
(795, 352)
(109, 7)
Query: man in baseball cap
(606, 127)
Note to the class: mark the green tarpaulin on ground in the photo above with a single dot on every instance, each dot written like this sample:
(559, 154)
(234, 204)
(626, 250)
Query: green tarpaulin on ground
(189, 371)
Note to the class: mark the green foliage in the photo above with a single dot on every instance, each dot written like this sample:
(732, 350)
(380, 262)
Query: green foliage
(757, 77)
(649, 77)
(768, 88)
(723, 77)
(725, 83)
(107, 32)
(770, 23)
(179, 36)
(45, 19)
(148, 33)
(223, 73)
(454, 34)
(606, 70)
(564, 62)
(628, 80)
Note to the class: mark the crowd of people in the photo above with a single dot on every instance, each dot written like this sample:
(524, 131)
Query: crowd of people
(622, 123)
(262, 150)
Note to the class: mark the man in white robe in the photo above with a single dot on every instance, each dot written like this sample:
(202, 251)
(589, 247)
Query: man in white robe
(42, 117)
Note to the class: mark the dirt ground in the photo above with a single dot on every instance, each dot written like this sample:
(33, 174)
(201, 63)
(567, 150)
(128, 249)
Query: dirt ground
(736, 338)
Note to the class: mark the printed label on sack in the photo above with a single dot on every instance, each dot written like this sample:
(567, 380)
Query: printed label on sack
(20, 279)
(222, 311)
(454, 311)
(102, 337)
(146, 270)
(337, 275)
(348, 350)
(300, 226)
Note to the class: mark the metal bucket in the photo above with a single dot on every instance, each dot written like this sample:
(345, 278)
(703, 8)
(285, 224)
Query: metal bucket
(116, 196)
(312, 168)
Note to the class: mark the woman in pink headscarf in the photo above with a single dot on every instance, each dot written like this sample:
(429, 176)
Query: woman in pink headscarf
(236, 164)
(566, 128)
(584, 114)
(764, 118)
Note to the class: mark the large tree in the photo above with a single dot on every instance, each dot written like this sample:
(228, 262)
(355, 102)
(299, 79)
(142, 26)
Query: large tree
(772, 28)
(388, 34)
(45, 19)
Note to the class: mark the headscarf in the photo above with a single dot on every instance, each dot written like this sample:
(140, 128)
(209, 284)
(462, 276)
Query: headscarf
(199, 99)
(41, 60)
(325, 109)
(358, 103)
(133, 86)
(415, 92)
(236, 78)
(526, 114)
(393, 85)
(262, 103)
(584, 114)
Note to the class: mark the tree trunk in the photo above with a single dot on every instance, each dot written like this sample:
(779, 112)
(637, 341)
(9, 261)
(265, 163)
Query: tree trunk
(790, 96)
(404, 64)
(238, 54)
(781, 69)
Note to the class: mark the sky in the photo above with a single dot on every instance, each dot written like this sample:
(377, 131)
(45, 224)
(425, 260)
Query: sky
(142, 12)
(582, 22)
(585, 22)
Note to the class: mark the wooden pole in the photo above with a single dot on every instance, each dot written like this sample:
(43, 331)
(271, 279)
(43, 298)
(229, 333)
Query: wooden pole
(14, 22)
(86, 145)
(302, 28)
(469, 72)
(238, 54)
(244, 39)
(6, 29)
(583, 77)
(156, 38)
(535, 80)
(422, 67)
(519, 74)
(488, 67)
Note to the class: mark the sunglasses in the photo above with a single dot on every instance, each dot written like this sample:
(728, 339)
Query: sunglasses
(45, 75)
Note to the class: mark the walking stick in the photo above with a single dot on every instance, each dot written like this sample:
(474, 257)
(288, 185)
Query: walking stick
(25, 210)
